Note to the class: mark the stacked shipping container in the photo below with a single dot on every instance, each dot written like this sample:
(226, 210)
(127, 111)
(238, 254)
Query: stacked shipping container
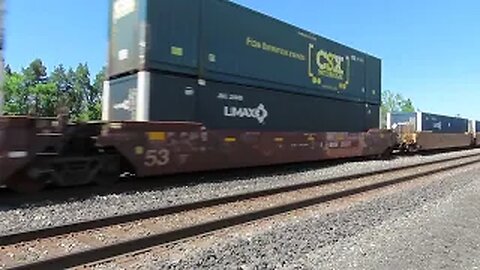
(429, 122)
(218, 63)
(427, 131)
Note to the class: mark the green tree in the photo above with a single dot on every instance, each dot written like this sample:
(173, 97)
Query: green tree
(32, 91)
(394, 102)
(95, 97)
(406, 105)
(8, 70)
(35, 73)
(45, 99)
(81, 90)
(41, 96)
(63, 81)
(16, 94)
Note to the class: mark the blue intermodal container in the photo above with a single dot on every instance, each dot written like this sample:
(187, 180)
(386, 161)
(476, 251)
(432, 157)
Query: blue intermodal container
(430, 122)
(222, 41)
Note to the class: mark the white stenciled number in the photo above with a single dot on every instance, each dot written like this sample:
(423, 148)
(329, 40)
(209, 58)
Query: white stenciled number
(156, 157)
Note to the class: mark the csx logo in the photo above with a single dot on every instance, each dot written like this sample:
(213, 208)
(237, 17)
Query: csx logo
(330, 65)
(327, 65)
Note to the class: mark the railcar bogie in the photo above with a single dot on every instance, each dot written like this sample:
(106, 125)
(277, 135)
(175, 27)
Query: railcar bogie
(35, 152)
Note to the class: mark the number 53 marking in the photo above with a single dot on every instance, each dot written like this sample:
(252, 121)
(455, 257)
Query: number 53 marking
(156, 157)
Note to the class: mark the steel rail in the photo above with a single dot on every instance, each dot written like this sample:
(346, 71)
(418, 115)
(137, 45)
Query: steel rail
(50, 232)
(125, 247)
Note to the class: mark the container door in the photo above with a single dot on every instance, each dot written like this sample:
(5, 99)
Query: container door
(125, 17)
(173, 35)
(372, 116)
(373, 80)
(122, 98)
(173, 98)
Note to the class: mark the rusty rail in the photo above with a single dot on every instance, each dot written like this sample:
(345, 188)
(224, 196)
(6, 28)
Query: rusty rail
(105, 252)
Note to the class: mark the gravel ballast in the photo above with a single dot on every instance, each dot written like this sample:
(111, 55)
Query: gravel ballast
(34, 217)
(436, 226)
(443, 234)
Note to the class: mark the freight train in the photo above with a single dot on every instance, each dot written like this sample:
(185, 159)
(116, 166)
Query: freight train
(186, 93)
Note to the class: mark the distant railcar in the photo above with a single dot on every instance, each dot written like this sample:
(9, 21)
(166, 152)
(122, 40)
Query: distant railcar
(475, 127)
(428, 131)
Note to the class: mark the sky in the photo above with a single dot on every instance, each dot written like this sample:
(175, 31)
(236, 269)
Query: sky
(429, 48)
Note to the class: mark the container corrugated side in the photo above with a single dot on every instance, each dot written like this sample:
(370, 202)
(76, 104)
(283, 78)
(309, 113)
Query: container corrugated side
(443, 124)
(372, 116)
(125, 19)
(255, 49)
(397, 119)
(249, 48)
(430, 122)
(238, 107)
(159, 34)
(174, 35)
(373, 75)
(121, 98)
(231, 106)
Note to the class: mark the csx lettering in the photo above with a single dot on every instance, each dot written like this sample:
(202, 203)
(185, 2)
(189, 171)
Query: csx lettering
(330, 65)
(157, 157)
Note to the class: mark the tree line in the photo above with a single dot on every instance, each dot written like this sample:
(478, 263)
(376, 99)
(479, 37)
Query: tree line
(394, 102)
(73, 91)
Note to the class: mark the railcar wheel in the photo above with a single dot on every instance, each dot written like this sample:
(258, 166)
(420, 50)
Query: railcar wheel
(413, 148)
(21, 182)
(106, 179)
(109, 172)
(387, 154)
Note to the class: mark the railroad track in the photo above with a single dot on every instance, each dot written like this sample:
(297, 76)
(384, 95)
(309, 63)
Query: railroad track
(110, 238)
